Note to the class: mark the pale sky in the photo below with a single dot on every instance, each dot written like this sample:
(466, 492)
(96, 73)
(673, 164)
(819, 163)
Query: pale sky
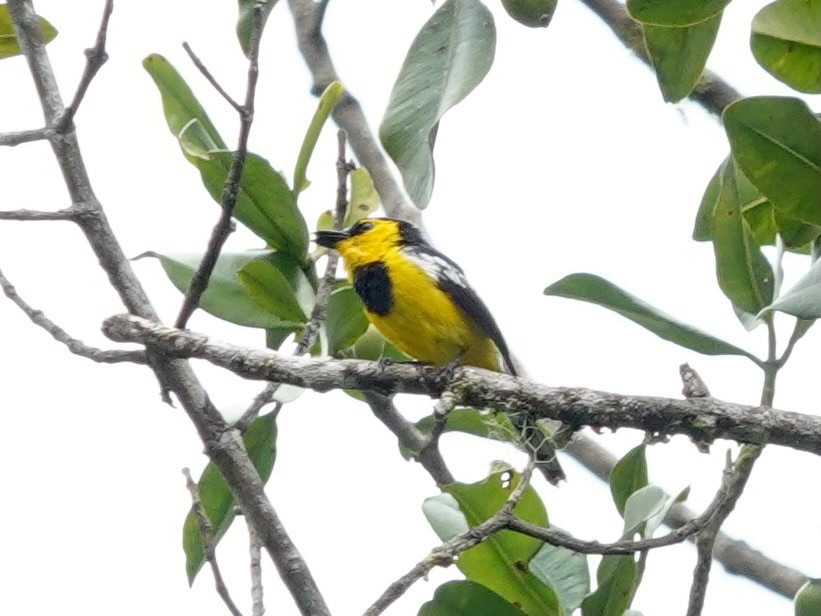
(565, 159)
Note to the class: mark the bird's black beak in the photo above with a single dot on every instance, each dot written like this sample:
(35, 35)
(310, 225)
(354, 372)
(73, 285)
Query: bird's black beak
(329, 239)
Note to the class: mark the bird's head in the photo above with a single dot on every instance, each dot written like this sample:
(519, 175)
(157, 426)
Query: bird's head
(369, 239)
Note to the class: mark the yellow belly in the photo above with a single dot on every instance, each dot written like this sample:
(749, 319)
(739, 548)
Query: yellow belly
(425, 324)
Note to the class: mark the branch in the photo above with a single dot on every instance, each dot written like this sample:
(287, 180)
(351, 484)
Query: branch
(70, 213)
(78, 347)
(24, 136)
(347, 113)
(207, 534)
(222, 445)
(703, 419)
(230, 189)
(257, 603)
(711, 92)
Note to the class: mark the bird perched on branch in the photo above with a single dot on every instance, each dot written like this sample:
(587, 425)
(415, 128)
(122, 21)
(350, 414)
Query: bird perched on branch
(420, 300)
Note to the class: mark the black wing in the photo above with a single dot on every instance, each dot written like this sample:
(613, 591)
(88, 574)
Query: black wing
(451, 280)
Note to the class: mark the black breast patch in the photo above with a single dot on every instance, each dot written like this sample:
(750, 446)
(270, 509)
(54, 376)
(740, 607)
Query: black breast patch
(373, 285)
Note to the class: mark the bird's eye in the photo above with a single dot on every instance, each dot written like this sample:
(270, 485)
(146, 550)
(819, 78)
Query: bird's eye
(361, 227)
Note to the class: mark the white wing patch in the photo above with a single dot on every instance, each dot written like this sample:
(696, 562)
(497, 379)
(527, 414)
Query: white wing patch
(436, 266)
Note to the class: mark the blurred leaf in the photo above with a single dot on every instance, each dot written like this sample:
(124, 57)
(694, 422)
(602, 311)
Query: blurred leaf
(674, 12)
(265, 203)
(744, 274)
(444, 516)
(616, 577)
(372, 345)
(345, 321)
(786, 42)
(466, 598)
(653, 522)
(501, 562)
(363, 200)
(448, 58)
(566, 572)
(8, 39)
(216, 497)
(472, 421)
(246, 20)
(808, 599)
(531, 13)
(274, 337)
(795, 234)
(804, 299)
(265, 281)
(679, 54)
(596, 290)
(326, 105)
(642, 505)
(776, 142)
(628, 476)
(225, 296)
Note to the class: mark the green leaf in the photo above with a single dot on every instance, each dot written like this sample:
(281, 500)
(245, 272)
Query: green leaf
(744, 274)
(674, 12)
(786, 42)
(653, 522)
(449, 57)
(679, 54)
(444, 516)
(363, 200)
(501, 562)
(596, 290)
(225, 296)
(616, 579)
(8, 39)
(466, 598)
(265, 203)
(776, 142)
(565, 571)
(216, 497)
(804, 299)
(246, 20)
(628, 476)
(266, 284)
(345, 321)
(641, 506)
(326, 105)
(808, 599)
(372, 345)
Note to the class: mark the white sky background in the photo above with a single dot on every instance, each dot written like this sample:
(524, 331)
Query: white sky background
(564, 159)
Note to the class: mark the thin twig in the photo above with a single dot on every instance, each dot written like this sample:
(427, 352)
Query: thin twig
(257, 602)
(78, 347)
(211, 79)
(25, 136)
(207, 533)
(95, 58)
(70, 213)
(444, 555)
(230, 189)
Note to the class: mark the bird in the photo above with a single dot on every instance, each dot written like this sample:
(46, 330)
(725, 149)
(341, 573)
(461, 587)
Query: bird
(421, 302)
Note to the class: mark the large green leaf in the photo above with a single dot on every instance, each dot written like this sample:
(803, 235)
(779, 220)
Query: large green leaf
(566, 572)
(786, 41)
(327, 102)
(265, 203)
(225, 296)
(279, 285)
(9, 45)
(674, 12)
(616, 577)
(777, 144)
(466, 598)
(449, 57)
(643, 504)
(216, 497)
(804, 299)
(246, 20)
(345, 320)
(628, 476)
(596, 290)
(679, 54)
(744, 274)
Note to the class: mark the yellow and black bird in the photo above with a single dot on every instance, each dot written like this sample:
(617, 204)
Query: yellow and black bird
(420, 300)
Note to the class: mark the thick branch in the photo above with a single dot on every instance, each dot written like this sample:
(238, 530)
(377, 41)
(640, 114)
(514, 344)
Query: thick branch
(347, 113)
(703, 419)
(712, 92)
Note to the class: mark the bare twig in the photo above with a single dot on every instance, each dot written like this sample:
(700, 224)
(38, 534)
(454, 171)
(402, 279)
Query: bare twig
(69, 213)
(95, 58)
(211, 79)
(60, 335)
(207, 532)
(24, 136)
(347, 114)
(712, 92)
(706, 419)
(257, 603)
(230, 189)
